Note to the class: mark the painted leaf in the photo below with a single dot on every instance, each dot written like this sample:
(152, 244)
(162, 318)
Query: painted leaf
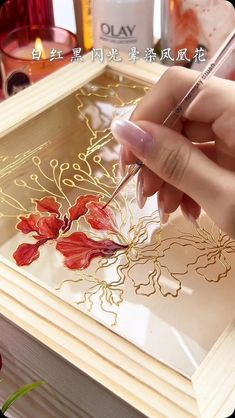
(26, 254)
(80, 207)
(28, 224)
(49, 227)
(101, 218)
(20, 393)
(79, 250)
(48, 204)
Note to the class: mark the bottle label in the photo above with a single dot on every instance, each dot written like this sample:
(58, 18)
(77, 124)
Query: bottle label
(122, 34)
(123, 24)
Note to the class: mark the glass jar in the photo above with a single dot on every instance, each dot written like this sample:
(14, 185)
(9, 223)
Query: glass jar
(18, 13)
(19, 68)
(193, 30)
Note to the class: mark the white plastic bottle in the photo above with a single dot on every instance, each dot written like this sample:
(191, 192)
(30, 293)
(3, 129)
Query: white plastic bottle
(123, 24)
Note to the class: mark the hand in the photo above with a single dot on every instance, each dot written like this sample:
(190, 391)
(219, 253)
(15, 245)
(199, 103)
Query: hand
(192, 166)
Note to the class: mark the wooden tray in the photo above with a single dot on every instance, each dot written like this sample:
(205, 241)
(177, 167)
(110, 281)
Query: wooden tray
(153, 324)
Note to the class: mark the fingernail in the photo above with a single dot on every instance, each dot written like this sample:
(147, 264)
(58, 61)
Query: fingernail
(132, 136)
(141, 199)
(191, 219)
(122, 164)
(164, 217)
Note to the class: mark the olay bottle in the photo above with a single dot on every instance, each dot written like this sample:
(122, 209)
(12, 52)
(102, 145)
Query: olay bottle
(123, 24)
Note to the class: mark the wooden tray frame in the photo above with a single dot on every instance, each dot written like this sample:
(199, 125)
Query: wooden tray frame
(143, 382)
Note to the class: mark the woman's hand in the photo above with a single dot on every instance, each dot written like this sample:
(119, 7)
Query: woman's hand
(194, 165)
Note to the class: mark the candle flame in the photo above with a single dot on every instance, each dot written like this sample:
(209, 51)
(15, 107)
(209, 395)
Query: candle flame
(39, 47)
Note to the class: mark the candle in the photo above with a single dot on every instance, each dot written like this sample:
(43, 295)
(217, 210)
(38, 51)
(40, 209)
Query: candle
(45, 47)
(31, 53)
(18, 13)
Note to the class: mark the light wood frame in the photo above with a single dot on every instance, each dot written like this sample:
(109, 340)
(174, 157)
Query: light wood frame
(143, 382)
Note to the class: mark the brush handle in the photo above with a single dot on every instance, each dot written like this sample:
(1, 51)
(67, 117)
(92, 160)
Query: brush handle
(214, 64)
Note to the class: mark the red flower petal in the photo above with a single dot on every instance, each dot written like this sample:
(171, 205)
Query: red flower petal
(26, 254)
(48, 204)
(49, 227)
(79, 250)
(27, 225)
(80, 207)
(101, 218)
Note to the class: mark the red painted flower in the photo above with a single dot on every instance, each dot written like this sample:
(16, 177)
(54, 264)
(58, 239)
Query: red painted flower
(46, 227)
(79, 250)
(49, 227)
(28, 224)
(27, 253)
(48, 204)
(101, 218)
(80, 207)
